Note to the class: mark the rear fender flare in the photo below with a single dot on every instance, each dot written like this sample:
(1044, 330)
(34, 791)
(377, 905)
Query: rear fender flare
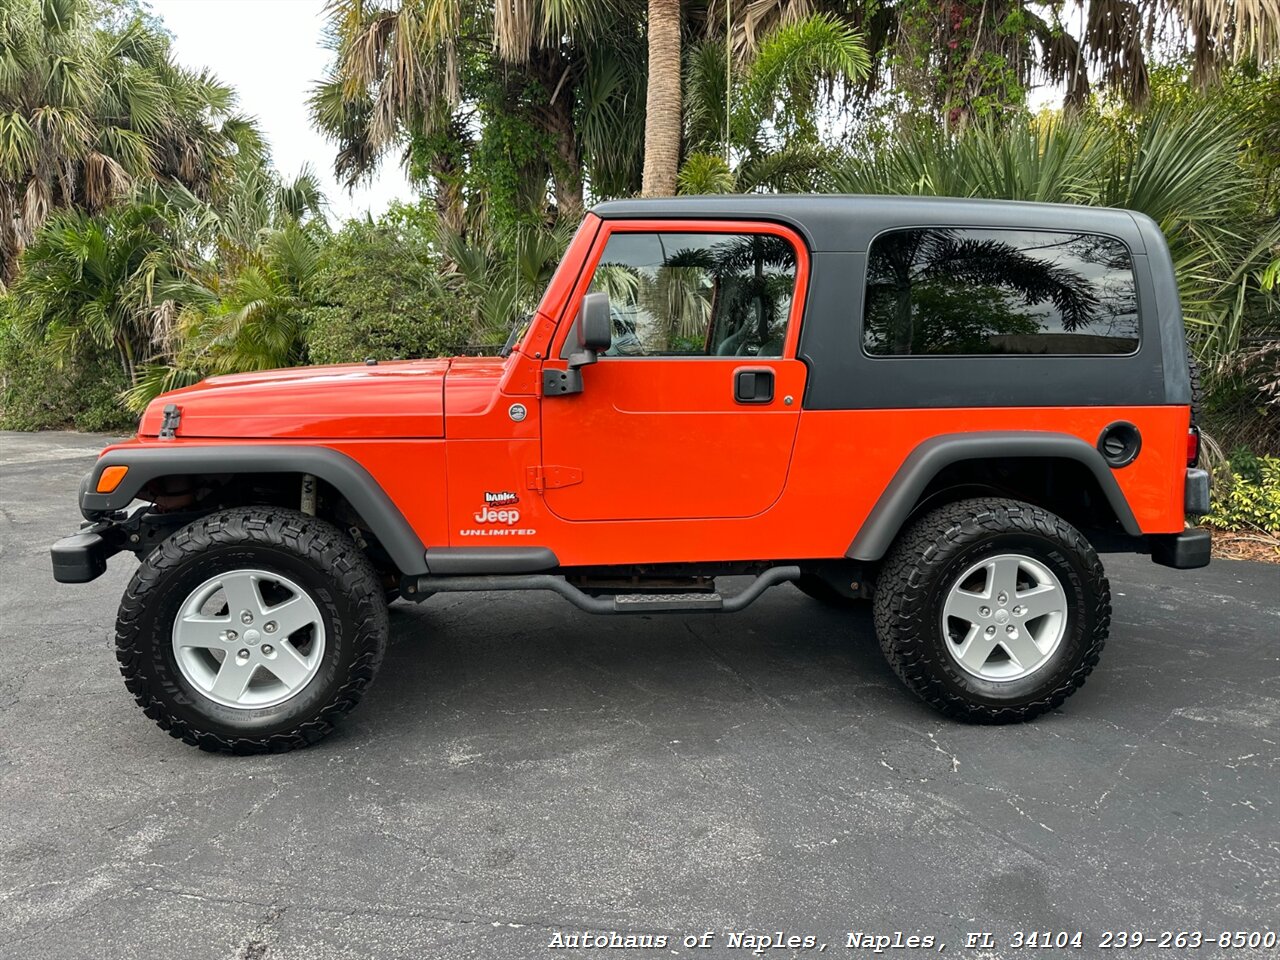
(925, 462)
(344, 474)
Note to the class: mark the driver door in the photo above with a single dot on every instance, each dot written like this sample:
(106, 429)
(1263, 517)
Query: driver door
(692, 412)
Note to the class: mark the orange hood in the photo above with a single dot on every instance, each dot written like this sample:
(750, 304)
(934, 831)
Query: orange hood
(394, 399)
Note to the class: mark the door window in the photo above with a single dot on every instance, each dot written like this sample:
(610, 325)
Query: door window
(697, 294)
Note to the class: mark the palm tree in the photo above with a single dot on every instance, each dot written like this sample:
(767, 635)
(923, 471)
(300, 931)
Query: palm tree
(174, 285)
(86, 111)
(86, 283)
(431, 75)
(501, 272)
(242, 308)
(662, 126)
(1178, 163)
(770, 117)
(969, 58)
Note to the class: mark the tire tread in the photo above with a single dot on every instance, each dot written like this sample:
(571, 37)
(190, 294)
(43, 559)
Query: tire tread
(905, 579)
(307, 537)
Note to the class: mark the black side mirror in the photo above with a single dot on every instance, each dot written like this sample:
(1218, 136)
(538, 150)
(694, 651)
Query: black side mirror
(595, 326)
(594, 332)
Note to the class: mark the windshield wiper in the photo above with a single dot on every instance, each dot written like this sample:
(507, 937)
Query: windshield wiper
(517, 327)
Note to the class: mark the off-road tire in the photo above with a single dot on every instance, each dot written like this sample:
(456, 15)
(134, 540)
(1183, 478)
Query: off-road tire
(1197, 389)
(919, 570)
(315, 554)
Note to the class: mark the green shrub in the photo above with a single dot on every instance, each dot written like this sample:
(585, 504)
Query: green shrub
(36, 395)
(379, 293)
(346, 334)
(1247, 494)
(1242, 399)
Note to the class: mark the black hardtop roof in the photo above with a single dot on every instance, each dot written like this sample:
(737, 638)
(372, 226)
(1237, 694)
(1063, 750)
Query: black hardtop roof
(834, 222)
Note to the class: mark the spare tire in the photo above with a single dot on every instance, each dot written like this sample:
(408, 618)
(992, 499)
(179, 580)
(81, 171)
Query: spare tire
(1193, 370)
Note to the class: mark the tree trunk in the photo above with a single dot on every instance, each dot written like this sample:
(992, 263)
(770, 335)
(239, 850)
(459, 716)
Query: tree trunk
(124, 350)
(662, 121)
(10, 241)
(10, 249)
(566, 172)
(450, 207)
(448, 170)
(555, 70)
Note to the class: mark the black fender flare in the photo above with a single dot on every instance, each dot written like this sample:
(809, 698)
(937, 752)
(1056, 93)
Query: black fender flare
(925, 462)
(346, 476)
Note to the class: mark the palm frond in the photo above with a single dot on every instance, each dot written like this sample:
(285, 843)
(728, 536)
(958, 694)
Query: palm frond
(703, 173)
(794, 168)
(783, 81)
(1180, 164)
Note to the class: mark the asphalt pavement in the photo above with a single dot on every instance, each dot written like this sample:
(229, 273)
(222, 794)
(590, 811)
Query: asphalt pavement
(522, 773)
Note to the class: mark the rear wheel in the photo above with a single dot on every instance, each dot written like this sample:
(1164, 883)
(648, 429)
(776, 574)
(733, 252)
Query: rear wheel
(252, 630)
(992, 610)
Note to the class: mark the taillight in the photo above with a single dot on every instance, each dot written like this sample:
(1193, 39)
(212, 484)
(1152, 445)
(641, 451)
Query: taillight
(1193, 446)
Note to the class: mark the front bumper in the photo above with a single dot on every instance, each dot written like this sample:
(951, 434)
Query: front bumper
(82, 557)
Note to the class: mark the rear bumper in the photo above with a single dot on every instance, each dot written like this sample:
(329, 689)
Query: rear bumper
(1196, 493)
(1182, 551)
(1191, 548)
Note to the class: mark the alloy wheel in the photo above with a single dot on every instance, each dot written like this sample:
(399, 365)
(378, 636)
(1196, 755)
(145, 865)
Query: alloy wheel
(1004, 617)
(249, 638)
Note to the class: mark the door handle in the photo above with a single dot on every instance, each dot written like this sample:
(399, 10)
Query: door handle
(753, 386)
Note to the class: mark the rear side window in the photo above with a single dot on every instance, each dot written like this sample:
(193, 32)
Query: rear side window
(946, 290)
(697, 294)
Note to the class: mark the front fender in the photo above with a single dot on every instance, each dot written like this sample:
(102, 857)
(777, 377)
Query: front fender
(346, 476)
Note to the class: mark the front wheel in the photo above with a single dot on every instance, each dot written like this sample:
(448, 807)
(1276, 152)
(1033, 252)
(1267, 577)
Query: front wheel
(992, 610)
(252, 630)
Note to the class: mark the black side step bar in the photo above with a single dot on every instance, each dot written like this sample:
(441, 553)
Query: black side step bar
(422, 587)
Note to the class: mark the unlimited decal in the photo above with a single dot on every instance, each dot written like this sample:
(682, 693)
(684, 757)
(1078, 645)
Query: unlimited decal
(500, 516)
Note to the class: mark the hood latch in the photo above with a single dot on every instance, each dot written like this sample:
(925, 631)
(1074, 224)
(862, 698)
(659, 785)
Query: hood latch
(169, 425)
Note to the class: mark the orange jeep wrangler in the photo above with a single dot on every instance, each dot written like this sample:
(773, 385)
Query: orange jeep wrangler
(935, 405)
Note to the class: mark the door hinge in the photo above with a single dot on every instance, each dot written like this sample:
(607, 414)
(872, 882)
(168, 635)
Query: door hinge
(548, 478)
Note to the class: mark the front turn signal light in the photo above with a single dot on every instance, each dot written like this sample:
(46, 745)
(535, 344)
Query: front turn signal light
(110, 478)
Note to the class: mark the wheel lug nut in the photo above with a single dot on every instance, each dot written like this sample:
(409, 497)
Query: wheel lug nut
(231, 635)
(243, 654)
(246, 617)
(267, 649)
(984, 611)
(1011, 629)
(270, 627)
(1017, 611)
(991, 631)
(1002, 598)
